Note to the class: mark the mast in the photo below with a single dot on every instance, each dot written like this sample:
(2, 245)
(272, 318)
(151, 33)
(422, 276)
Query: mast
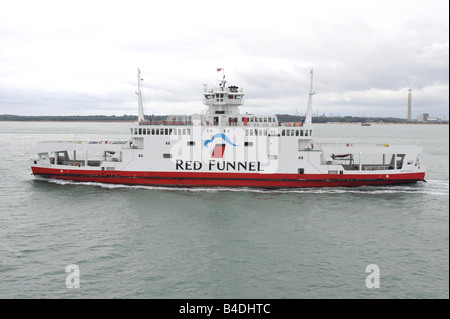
(139, 94)
(222, 82)
(308, 118)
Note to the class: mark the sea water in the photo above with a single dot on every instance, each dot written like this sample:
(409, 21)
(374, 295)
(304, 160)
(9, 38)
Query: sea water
(61, 239)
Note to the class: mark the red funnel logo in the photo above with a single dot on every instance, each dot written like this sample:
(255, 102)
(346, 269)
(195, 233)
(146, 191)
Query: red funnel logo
(218, 151)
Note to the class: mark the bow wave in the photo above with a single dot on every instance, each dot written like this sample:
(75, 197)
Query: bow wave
(221, 135)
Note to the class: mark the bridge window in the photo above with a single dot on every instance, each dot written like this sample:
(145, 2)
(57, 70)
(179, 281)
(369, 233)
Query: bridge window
(219, 97)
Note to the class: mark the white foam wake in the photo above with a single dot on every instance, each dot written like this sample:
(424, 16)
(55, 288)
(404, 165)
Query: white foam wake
(432, 187)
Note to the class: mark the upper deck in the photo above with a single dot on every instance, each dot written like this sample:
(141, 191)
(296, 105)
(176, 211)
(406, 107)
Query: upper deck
(222, 120)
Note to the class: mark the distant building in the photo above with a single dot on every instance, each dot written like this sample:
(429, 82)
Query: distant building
(422, 117)
(434, 119)
(426, 118)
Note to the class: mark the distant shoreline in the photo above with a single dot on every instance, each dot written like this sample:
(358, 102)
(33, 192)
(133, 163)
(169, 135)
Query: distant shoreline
(61, 121)
(315, 123)
(282, 118)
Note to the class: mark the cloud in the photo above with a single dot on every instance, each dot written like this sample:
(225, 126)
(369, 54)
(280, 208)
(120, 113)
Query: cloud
(81, 58)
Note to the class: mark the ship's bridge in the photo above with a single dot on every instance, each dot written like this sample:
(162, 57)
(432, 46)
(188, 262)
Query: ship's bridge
(223, 108)
(223, 100)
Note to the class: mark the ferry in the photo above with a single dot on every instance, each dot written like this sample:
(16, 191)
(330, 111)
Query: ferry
(222, 147)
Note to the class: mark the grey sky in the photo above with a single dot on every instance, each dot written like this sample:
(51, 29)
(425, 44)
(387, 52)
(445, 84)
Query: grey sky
(77, 58)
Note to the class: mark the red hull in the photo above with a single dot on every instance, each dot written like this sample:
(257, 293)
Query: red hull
(228, 179)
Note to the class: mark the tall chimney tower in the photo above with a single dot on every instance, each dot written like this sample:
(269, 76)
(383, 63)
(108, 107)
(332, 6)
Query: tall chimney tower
(409, 105)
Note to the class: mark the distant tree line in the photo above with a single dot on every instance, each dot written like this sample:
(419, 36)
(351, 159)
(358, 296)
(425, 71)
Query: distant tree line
(80, 118)
(132, 118)
(340, 119)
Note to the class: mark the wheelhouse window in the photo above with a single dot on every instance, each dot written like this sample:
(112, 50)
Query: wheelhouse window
(219, 97)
